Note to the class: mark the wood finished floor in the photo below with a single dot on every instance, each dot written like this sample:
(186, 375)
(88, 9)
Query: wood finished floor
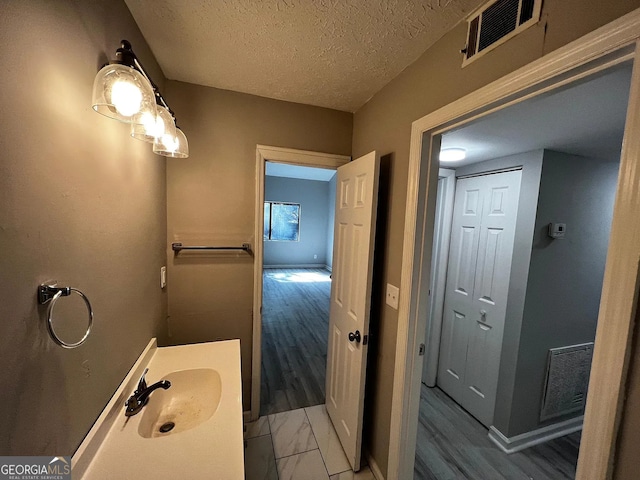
(295, 327)
(453, 445)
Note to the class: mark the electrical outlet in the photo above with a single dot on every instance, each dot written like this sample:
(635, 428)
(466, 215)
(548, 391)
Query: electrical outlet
(163, 277)
(393, 293)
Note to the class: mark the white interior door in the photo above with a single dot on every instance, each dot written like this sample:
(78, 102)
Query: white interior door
(354, 232)
(483, 232)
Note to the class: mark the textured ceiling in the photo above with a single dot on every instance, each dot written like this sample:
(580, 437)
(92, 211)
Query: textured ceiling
(330, 53)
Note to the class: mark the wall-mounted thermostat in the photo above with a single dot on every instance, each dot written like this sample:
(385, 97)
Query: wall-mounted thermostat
(556, 230)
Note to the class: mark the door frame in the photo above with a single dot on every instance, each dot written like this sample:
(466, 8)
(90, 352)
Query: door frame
(289, 156)
(607, 46)
(439, 274)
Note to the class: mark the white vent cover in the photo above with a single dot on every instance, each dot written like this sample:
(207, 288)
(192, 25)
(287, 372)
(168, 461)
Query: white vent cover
(565, 388)
(496, 22)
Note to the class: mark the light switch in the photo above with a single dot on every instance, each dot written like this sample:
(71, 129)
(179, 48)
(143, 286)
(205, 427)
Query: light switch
(393, 293)
(163, 277)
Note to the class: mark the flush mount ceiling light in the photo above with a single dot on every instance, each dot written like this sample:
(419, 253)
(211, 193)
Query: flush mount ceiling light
(122, 90)
(452, 154)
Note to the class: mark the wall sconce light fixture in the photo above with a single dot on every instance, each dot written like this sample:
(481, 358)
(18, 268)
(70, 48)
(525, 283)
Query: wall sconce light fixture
(122, 90)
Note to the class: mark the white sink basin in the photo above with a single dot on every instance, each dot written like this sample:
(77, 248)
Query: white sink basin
(204, 403)
(191, 400)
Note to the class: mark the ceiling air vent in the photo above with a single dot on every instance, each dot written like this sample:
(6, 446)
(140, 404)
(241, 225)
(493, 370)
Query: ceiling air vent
(496, 22)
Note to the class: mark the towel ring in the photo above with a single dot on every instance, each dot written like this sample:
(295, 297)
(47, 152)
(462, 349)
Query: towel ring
(50, 294)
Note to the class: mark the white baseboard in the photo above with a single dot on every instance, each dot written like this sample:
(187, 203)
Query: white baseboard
(534, 437)
(297, 265)
(373, 466)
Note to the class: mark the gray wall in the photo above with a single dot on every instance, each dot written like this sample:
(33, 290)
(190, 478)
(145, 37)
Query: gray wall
(331, 220)
(81, 203)
(565, 276)
(313, 197)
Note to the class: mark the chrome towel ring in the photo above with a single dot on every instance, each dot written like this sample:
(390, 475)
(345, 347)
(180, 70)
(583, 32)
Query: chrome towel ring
(50, 294)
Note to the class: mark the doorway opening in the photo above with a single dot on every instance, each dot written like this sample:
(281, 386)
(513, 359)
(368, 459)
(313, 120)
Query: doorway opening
(297, 258)
(513, 320)
(285, 224)
(356, 202)
(604, 48)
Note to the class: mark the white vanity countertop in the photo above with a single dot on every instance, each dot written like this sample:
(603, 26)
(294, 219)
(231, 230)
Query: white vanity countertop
(212, 450)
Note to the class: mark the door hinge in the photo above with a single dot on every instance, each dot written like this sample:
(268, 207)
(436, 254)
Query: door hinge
(421, 350)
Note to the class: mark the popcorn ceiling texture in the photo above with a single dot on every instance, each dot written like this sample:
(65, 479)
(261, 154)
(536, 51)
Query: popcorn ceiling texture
(329, 53)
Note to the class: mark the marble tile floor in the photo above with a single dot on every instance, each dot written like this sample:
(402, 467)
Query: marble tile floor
(297, 445)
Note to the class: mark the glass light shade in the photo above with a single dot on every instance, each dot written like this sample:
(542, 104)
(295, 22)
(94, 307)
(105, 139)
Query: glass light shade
(152, 128)
(122, 93)
(172, 146)
(452, 154)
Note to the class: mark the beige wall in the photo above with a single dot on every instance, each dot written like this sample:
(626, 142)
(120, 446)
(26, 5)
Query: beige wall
(627, 463)
(384, 124)
(81, 203)
(211, 199)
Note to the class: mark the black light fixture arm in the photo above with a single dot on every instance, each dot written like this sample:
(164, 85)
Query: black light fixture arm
(126, 56)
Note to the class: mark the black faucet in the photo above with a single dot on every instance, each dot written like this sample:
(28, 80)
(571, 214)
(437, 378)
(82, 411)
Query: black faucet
(141, 396)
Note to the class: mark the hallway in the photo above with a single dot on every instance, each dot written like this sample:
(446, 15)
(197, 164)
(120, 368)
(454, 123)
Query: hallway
(454, 445)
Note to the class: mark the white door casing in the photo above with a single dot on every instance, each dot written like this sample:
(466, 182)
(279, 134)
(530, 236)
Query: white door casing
(289, 156)
(477, 290)
(354, 235)
(607, 46)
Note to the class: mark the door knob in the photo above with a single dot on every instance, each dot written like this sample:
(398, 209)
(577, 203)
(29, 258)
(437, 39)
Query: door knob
(355, 336)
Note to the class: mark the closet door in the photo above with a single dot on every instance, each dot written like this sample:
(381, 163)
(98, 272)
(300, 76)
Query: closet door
(490, 293)
(477, 289)
(461, 274)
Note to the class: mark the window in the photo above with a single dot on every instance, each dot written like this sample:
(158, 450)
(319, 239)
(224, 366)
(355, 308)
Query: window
(282, 221)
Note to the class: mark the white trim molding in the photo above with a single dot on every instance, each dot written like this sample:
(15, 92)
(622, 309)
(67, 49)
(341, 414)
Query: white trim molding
(607, 46)
(373, 466)
(290, 156)
(534, 437)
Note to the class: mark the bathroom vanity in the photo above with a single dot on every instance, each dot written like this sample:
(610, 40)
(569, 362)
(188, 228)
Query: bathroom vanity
(193, 429)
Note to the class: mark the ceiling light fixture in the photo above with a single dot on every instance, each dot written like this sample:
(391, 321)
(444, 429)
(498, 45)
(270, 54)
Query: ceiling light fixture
(122, 90)
(175, 146)
(452, 154)
(153, 127)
